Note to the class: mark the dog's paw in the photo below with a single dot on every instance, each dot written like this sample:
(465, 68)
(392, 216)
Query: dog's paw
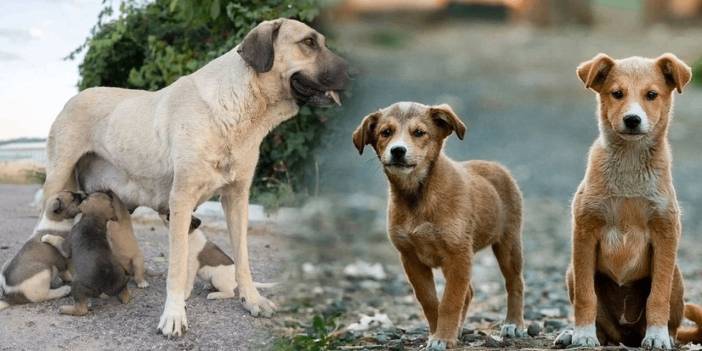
(258, 305)
(510, 330)
(657, 337)
(142, 284)
(220, 295)
(564, 339)
(437, 344)
(585, 336)
(173, 321)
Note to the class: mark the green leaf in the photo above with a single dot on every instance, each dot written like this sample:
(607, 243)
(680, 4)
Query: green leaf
(215, 9)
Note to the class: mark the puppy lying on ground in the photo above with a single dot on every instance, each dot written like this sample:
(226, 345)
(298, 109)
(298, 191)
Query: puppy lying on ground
(623, 280)
(207, 261)
(440, 212)
(97, 270)
(28, 276)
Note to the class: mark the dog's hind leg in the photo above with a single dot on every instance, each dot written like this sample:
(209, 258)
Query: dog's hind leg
(509, 257)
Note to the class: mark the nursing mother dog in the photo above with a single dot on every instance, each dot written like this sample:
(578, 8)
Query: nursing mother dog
(623, 281)
(440, 212)
(174, 148)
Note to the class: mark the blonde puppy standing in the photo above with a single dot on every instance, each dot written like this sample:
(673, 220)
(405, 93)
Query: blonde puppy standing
(440, 212)
(626, 219)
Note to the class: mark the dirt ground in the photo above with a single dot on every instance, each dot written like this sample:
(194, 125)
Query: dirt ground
(516, 88)
(214, 325)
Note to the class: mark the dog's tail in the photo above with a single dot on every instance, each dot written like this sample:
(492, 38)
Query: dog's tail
(3, 304)
(691, 334)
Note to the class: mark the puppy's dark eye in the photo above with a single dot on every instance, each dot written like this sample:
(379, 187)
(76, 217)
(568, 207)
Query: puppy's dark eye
(651, 95)
(385, 133)
(618, 94)
(419, 133)
(310, 42)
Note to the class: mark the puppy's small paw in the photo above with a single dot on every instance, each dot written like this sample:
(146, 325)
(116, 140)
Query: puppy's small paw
(142, 284)
(510, 330)
(657, 338)
(438, 344)
(258, 305)
(585, 336)
(219, 295)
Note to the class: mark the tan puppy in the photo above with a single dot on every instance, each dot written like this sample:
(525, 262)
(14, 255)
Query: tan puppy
(124, 245)
(440, 212)
(626, 219)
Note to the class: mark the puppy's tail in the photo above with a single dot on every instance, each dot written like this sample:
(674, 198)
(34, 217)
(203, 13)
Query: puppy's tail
(691, 334)
(3, 303)
(264, 285)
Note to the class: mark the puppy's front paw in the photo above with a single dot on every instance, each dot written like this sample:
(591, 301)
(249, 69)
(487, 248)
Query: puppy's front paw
(258, 305)
(510, 330)
(438, 344)
(585, 336)
(657, 337)
(564, 339)
(142, 284)
(173, 320)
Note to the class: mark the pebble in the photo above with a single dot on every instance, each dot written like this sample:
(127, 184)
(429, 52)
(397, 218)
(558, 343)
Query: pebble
(553, 324)
(534, 329)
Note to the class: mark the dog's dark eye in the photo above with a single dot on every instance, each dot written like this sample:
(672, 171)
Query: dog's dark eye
(651, 95)
(419, 133)
(310, 42)
(618, 94)
(385, 133)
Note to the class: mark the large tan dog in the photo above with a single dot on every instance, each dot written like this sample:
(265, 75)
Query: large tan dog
(623, 280)
(440, 212)
(174, 148)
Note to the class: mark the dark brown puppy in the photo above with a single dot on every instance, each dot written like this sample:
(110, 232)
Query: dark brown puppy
(440, 212)
(97, 270)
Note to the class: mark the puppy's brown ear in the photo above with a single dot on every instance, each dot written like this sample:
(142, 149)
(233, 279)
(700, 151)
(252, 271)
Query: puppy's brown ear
(594, 72)
(364, 133)
(443, 115)
(257, 48)
(676, 72)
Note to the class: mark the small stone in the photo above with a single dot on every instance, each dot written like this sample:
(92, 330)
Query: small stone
(553, 324)
(533, 329)
(491, 342)
(4, 247)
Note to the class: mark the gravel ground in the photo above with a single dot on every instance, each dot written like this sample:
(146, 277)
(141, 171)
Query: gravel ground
(217, 324)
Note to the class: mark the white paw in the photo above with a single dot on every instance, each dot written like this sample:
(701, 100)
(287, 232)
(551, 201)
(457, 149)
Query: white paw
(64, 291)
(585, 336)
(173, 320)
(435, 345)
(657, 337)
(258, 305)
(142, 284)
(510, 330)
(564, 339)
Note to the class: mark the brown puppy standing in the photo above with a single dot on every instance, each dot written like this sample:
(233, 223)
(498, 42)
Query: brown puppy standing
(623, 280)
(440, 212)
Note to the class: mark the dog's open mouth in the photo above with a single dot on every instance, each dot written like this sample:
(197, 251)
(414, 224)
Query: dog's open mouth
(311, 92)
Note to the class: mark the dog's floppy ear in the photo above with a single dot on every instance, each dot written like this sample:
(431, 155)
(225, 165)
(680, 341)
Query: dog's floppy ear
(257, 47)
(443, 115)
(594, 72)
(363, 135)
(676, 72)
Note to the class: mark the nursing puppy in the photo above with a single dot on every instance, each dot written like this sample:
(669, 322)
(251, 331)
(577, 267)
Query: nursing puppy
(440, 212)
(28, 276)
(623, 280)
(97, 270)
(208, 262)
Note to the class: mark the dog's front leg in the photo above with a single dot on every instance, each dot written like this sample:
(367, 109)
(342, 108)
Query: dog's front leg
(173, 320)
(665, 233)
(235, 201)
(457, 273)
(422, 280)
(585, 234)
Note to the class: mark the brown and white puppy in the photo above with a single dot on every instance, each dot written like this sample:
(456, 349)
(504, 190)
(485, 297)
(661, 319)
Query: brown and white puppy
(212, 265)
(440, 212)
(28, 275)
(626, 219)
(97, 270)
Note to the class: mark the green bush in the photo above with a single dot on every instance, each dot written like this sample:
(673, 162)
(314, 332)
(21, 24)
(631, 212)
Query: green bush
(150, 45)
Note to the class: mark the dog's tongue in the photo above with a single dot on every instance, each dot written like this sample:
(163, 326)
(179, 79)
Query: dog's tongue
(334, 96)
